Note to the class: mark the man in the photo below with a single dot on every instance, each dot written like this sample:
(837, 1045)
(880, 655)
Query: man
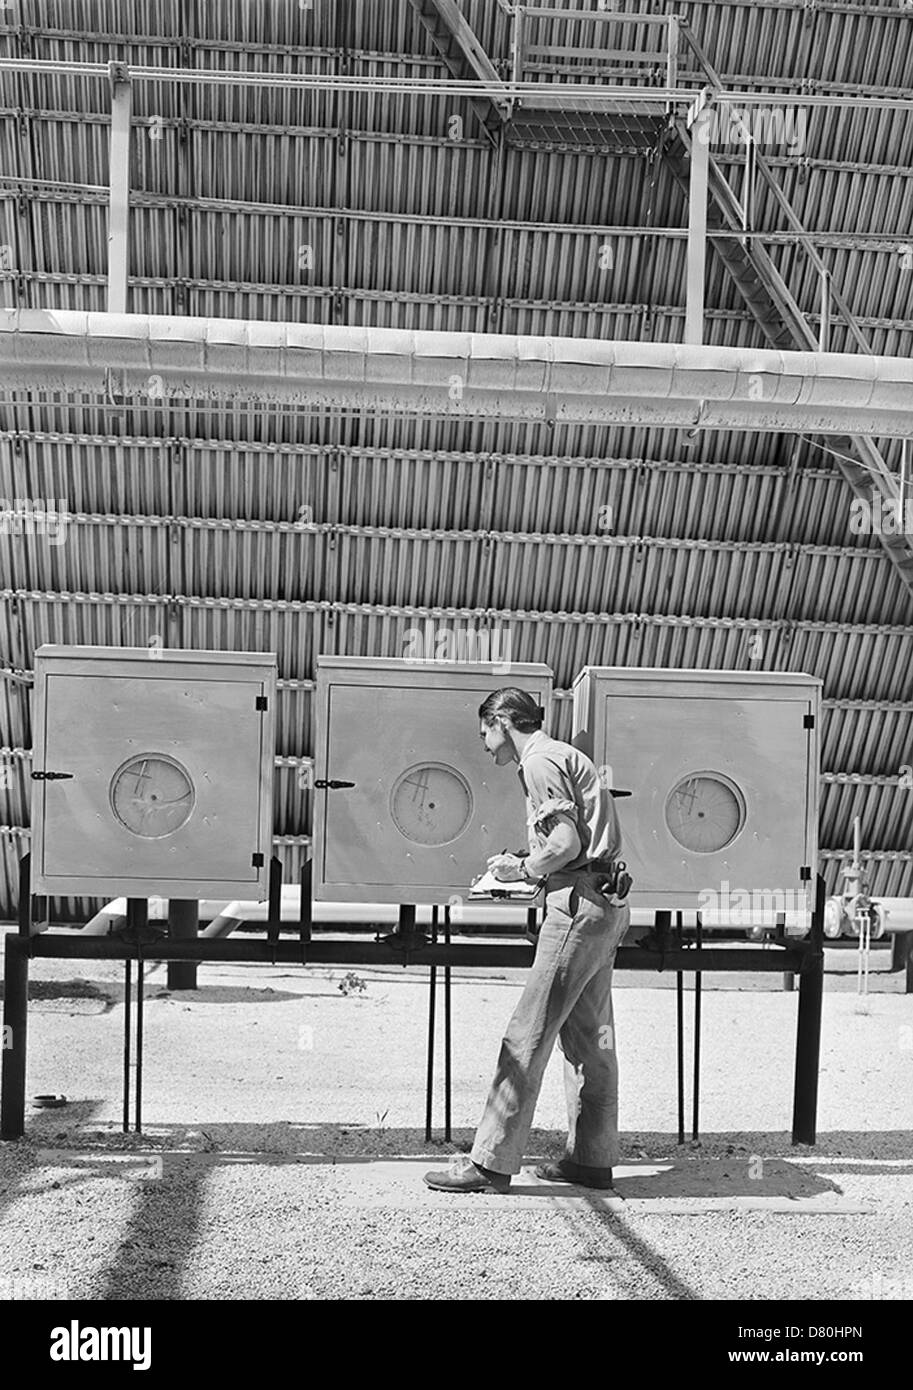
(574, 841)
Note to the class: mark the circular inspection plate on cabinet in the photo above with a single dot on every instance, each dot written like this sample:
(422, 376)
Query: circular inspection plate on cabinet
(431, 804)
(705, 811)
(152, 795)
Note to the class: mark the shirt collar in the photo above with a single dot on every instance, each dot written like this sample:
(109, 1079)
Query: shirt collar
(532, 744)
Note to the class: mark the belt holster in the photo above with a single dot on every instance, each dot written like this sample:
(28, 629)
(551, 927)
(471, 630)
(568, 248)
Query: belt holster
(614, 882)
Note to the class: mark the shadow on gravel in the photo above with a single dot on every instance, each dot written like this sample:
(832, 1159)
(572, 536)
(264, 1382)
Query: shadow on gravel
(160, 1238)
(17, 1157)
(851, 1147)
(738, 1176)
(223, 994)
(606, 1238)
(888, 1151)
(42, 990)
(858, 1145)
(111, 992)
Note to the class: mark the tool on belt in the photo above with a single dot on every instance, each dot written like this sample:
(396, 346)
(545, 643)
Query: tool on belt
(612, 878)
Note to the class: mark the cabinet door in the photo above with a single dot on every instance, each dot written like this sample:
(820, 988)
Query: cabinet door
(428, 806)
(161, 777)
(720, 791)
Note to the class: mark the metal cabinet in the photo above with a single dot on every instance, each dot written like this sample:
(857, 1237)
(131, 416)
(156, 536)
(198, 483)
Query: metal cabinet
(723, 767)
(153, 772)
(418, 804)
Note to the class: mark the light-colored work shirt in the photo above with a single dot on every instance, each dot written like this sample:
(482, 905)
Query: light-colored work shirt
(560, 780)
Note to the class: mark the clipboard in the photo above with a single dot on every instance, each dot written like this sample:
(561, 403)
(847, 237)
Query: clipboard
(487, 888)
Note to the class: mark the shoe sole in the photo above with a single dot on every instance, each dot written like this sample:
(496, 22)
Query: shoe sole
(471, 1191)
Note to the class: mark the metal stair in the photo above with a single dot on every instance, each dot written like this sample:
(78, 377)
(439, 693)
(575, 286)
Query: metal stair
(785, 325)
(464, 56)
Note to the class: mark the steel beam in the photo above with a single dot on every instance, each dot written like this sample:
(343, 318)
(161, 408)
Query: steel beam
(352, 951)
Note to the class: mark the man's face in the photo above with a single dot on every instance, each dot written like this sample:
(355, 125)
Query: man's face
(497, 744)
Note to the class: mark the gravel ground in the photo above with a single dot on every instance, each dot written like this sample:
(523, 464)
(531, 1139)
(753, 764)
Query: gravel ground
(283, 1147)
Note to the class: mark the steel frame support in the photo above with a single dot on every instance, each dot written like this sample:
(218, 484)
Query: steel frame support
(119, 205)
(698, 181)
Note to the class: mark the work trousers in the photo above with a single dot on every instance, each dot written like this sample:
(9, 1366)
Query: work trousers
(568, 999)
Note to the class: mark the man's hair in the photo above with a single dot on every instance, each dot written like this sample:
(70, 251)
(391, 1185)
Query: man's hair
(515, 705)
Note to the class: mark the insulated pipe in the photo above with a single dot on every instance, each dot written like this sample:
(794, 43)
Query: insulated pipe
(178, 361)
(224, 917)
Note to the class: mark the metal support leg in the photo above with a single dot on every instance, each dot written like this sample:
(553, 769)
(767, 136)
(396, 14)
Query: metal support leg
(680, 1035)
(128, 988)
(140, 997)
(902, 956)
(306, 910)
(696, 1079)
(808, 1030)
(406, 927)
(448, 1077)
(15, 1020)
(429, 1078)
(274, 920)
(183, 925)
(137, 923)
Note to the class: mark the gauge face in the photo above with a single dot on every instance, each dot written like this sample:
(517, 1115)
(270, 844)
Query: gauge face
(431, 804)
(705, 812)
(152, 795)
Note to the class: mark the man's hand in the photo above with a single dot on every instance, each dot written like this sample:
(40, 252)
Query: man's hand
(506, 868)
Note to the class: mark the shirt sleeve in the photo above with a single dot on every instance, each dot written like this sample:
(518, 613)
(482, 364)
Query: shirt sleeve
(551, 795)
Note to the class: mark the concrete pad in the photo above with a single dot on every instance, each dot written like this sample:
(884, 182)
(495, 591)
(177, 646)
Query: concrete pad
(676, 1188)
(399, 1184)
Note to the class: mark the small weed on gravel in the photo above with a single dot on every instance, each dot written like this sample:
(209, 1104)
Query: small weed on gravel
(352, 984)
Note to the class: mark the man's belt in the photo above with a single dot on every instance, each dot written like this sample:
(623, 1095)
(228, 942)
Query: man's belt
(612, 877)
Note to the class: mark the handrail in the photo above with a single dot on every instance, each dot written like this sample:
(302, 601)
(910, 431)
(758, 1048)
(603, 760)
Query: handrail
(664, 55)
(331, 82)
(419, 86)
(797, 225)
(608, 16)
(829, 289)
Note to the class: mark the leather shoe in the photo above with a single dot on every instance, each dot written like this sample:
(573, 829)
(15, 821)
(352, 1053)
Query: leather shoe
(471, 1178)
(567, 1171)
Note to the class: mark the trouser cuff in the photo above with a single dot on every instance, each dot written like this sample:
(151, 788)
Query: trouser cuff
(496, 1162)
